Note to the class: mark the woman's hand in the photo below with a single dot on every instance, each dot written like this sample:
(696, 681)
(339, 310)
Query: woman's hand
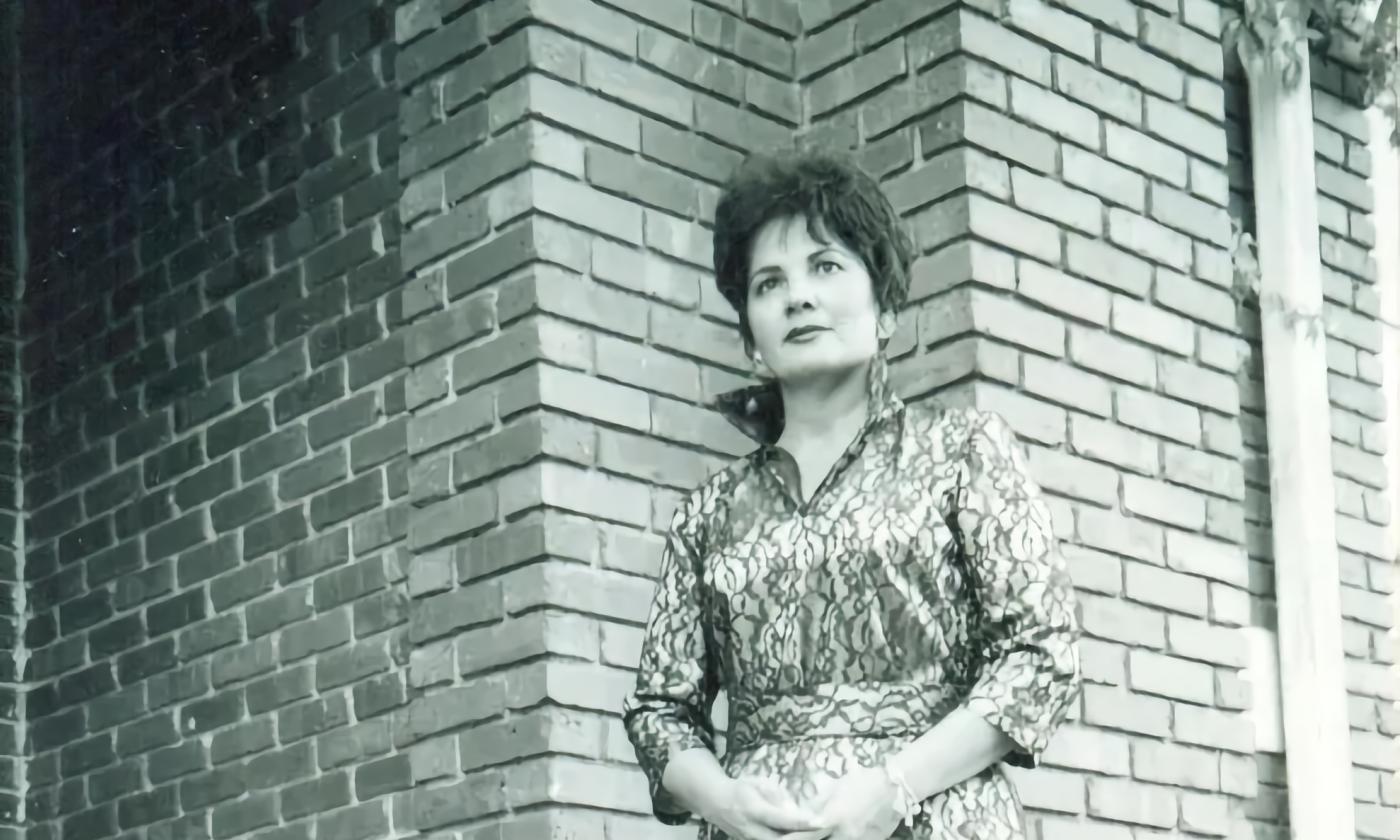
(752, 808)
(860, 806)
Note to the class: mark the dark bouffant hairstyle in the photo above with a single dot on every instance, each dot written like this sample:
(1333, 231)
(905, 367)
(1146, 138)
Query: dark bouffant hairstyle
(836, 198)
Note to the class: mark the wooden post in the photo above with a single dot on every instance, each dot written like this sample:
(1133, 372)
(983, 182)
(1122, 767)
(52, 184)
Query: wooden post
(1317, 735)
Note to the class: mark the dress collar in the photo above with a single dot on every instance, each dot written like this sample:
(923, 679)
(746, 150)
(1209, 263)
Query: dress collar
(757, 410)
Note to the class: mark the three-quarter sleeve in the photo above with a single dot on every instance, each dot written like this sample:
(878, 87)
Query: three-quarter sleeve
(669, 711)
(1027, 627)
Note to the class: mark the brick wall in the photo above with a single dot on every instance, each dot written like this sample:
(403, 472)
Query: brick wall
(558, 164)
(364, 525)
(213, 420)
(1067, 174)
(11, 594)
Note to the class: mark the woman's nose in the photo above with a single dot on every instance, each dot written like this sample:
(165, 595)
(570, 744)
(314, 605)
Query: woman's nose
(799, 294)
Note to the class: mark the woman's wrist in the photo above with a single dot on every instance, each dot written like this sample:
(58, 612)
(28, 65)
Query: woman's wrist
(712, 795)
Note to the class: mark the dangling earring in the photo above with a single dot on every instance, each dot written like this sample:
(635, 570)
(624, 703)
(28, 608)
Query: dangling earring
(758, 359)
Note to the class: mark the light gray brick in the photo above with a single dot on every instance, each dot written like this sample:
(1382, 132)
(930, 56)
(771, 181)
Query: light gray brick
(999, 317)
(1056, 290)
(1206, 814)
(1195, 299)
(1081, 748)
(1152, 325)
(1230, 606)
(638, 87)
(854, 78)
(1112, 532)
(1185, 213)
(1341, 358)
(1165, 588)
(1066, 31)
(1239, 775)
(1098, 90)
(1213, 559)
(1225, 520)
(1360, 397)
(1113, 356)
(1002, 135)
(1209, 182)
(1125, 58)
(1203, 16)
(1127, 801)
(1067, 385)
(771, 96)
(1104, 663)
(1168, 676)
(1194, 384)
(1206, 97)
(947, 172)
(1099, 261)
(992, 42)
(1204, 471)
(1113, 444)
(1169, 38)
(1220, 350)
(1212, 265)
(817, 52)
(1145, 153)
(1050, 198)
(1040, 107)
(1113, 707)
(1050, 790)
(1222, 435)
(1330, 110)
(1148, 238)
(1344, 324)
(1188, 130)
(1074, 477)
(1031, 418)
(1093, 570)
(1013, 229)
(689, 63)
(1344, 186)
(1112, 182)
(1200, 640)
(1158, 415)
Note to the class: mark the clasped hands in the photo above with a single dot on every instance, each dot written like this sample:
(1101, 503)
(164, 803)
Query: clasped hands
(859, 806)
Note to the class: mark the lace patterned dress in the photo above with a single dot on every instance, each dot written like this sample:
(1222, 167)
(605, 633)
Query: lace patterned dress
(921, 576)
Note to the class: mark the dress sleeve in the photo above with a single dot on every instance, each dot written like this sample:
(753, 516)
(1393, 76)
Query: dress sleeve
(669, 711)
(1029, 629)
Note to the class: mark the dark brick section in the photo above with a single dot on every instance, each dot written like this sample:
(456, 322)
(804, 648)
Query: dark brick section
(215, 408)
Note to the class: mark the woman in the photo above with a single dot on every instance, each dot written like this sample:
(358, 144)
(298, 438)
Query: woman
(876, 586)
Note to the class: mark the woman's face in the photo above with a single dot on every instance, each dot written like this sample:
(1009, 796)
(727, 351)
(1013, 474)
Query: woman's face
(811, 304)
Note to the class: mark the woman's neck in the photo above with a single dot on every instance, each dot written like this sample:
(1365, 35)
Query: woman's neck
(824, 409)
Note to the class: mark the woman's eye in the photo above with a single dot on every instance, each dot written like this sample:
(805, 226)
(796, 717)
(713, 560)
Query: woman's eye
(827, 267)
(763, 284)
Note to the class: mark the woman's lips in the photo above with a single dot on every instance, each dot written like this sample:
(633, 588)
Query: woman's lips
(803, 332)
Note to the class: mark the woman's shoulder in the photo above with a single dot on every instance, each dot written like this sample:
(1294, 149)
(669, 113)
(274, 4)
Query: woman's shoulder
(952, 425)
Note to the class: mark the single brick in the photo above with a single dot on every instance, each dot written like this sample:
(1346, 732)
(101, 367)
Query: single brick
(243, 427)
(1051, 199)
(209, 483)
(1114, 708)
(1164, 588)
(316, 796)
(311, 717)
(1168, 676)
(1169, 38)
(341, 503)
